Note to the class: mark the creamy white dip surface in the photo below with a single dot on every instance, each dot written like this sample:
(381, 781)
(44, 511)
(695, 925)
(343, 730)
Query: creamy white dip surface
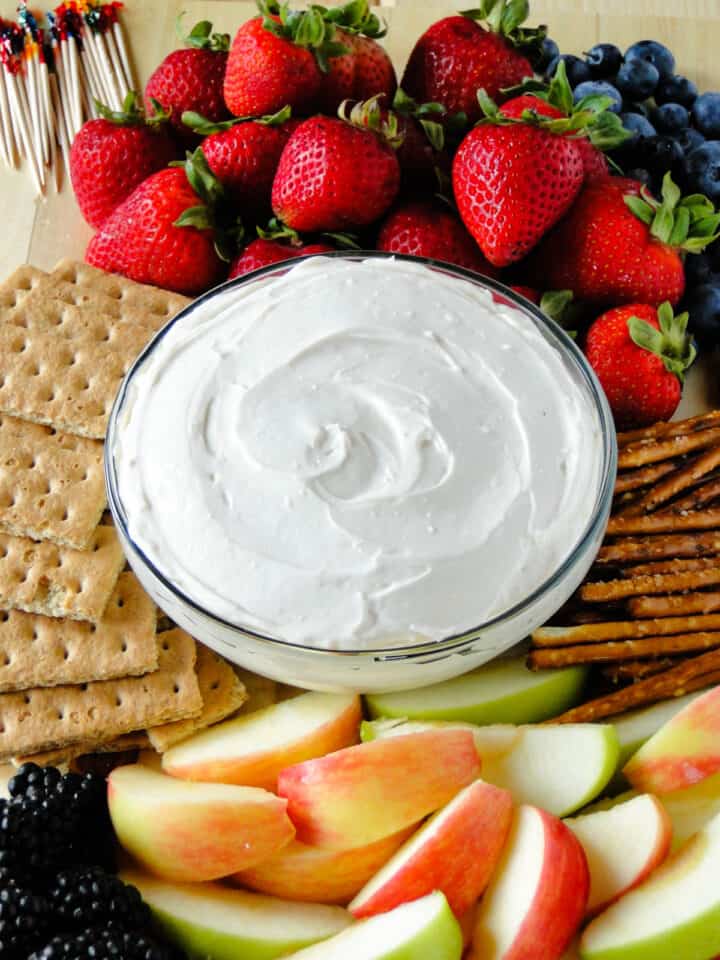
(356, 455)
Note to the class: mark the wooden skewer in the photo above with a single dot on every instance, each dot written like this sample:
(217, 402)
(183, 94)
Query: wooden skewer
(60, 130)
(122, 49)
(118, 71)
(94, 66)
(9, 149)
(19, 111)
(27, 80)
(93, 84)
(63, 91)
(74, 85)
(48, 112)
(103, 64)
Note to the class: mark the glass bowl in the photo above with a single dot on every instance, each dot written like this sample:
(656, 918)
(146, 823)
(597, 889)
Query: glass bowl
(396, 668)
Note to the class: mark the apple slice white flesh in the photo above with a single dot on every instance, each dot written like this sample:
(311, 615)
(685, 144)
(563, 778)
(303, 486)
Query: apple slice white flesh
(623, 846)
(455, 852)
(537, 897)
(421, 930)
(502, 691)
(635, 727)
(194, 831)
(252, 749)
(693, 808)
(559, 767)
(211, 921)
(673, 915)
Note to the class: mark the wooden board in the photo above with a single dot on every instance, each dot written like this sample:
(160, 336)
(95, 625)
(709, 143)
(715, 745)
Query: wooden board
(40, 231)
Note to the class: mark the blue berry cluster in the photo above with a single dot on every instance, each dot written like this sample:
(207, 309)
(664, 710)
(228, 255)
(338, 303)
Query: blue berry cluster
(674, 128)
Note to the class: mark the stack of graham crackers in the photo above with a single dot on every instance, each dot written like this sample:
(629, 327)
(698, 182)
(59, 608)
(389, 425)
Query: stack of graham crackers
(83, 666)
(647, 618)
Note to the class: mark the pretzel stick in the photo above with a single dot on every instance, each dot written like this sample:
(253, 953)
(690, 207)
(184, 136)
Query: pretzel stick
(690, 675)
(677, 482)
(639, 669)
(670, 566)
(699, 497)
(622, 629)
(613, 590)
(643, 476)
(640, 549)
(637, 455)
(681, 605)
(664, 523)
(621, 650)
(678, 429)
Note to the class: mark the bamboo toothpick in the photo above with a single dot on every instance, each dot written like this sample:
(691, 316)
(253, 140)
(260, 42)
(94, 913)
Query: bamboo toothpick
(8, 136)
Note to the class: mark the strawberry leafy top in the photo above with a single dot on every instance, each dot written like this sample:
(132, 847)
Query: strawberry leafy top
(686, 223)
(132, 114)
(212, 212)
(671, 342)
(367, 115)
(276, 230)
(201, 37)
(316, 28)
(199, 124)
(505, 17)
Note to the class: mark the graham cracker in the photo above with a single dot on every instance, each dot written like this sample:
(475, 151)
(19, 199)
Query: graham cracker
(222, 694)
(65, 755)
(19, 285)
(66, 384)
(52, 485)
(261, 691)
(58, 581)
(40, 651)
(41, 719)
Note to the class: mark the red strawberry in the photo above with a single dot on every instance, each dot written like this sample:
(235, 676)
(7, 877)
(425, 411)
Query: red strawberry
(620, 245)
(530, 293)
(162, 234)
(423, 155)
(110, 156)
(336, 174)
(456, 57)
(426, 229)
(512, 183)
(374, 70)
(639, 354)
(192, 79)
(243, 155)
(262, 252)
(516, 107)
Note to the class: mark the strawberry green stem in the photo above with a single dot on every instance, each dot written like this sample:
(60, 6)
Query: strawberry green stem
(367, 115)
(671, 342)
(132, 114)
(686, 223)
(199, 124)
(201, 36)
(505, 17)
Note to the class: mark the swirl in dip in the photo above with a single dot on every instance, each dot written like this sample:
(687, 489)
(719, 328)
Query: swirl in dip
(356, 455)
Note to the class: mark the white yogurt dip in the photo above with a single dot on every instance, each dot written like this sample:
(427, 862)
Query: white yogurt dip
(356, 455)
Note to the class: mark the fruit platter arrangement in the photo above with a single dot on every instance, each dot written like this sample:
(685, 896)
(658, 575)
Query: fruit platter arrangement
(560, 802)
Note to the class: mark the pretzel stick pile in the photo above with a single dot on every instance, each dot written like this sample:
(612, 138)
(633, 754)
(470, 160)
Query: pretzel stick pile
(647, 618)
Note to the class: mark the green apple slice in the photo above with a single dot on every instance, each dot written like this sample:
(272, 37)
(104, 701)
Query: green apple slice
(693, 807)
(419, 930)
(211, 922)
(673, 915)
(558, 767)
(503, 691)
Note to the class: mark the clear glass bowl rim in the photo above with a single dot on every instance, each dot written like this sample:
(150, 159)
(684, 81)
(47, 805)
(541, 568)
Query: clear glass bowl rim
(449, 644)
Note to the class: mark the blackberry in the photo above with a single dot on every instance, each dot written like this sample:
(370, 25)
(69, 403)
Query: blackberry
(106, 945)
(24, 920)
(89, 897)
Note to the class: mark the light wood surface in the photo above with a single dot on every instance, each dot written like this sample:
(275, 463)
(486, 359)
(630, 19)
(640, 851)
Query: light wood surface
(41, 231)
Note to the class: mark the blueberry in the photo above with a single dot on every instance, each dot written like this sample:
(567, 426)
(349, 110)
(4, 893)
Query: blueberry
(630, 107)
(689, 139)
(650, 51)
(604, 59)
(670, 118)
(699, 270)
(658, 155)
(676, 89)
(599, 88)
(702, 170)
(637, 79)
(577, 70)
(706, 114)
(547, 53)
(638, 125)
(703, 305)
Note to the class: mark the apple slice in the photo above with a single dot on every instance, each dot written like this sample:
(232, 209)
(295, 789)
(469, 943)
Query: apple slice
(559, 768)
(422, 930)
(194, 831)
(674, 914)
(318, 875)
(211, 921)
(623, 846)
(636, 726)
(683, 751)
(252, 749)
(502, 691)
(455, 852)
(536, 900)
(360, 794)
(692, 809)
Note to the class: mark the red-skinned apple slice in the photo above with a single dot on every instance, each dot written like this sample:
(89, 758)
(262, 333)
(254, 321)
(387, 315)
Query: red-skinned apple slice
(194, 831)
(252, 749)
(318, 875)
(684, 751)
(456, 852)
(363, 793)
(537, 897)
(622, 845)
